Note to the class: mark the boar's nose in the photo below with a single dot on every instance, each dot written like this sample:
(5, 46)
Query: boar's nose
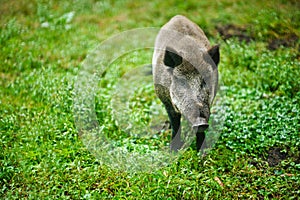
(201, 125)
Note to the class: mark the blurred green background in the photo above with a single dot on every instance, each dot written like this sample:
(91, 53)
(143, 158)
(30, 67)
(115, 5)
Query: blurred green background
(43, 44)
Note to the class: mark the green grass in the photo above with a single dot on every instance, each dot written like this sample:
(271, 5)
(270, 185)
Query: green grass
(42, 46)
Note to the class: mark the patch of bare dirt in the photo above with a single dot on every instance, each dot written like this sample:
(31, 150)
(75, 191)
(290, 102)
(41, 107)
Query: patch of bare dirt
(233, 31)
(288, 40)
(230, 30)
(275, 156)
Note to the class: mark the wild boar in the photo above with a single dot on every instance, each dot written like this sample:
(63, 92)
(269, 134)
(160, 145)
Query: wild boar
(185, 75)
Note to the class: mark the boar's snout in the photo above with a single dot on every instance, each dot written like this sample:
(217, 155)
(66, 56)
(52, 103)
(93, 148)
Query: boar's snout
(201, 125)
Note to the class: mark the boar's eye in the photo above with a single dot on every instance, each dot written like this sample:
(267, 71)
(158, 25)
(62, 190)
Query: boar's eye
(172, 59)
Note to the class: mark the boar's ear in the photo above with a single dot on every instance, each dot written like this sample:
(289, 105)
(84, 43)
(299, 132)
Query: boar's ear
(215, 54)
(172, 59)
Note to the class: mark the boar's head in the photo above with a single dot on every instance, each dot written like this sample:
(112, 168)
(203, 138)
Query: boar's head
(192, 86)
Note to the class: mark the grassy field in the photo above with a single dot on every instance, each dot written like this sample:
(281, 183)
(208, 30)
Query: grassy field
(42, 47)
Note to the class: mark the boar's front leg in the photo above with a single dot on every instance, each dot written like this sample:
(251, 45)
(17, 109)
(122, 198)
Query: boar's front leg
(174, 117)
(200, 137)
